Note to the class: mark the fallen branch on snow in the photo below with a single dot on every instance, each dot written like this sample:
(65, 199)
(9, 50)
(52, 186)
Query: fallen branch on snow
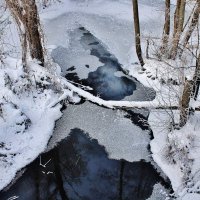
(117, 104)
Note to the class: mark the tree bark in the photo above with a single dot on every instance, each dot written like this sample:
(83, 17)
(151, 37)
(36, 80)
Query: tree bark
(25, 14)
(191, 90)
(179, 29)
(166, 30)
(193, 24)
(184, 104)
(176, 17)
(32, 27)
(137, 32)
(196, 78)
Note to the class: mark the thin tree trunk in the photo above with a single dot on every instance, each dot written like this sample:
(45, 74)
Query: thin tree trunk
(176, 17)
(193, 24)
(23, 38)
(24, 50)
(189, 18)
(166, 30)
(191, 89)
(147, 49)
(184, 104)
(137, 32)
(196, 79)
(177, 35)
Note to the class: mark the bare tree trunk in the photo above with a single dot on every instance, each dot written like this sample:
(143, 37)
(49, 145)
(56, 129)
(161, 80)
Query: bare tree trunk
(147, 49)
(184, 104)
(32, 28)
(179, 30)
(24, 50)
(137, 32)
(191, 89)
(193, 24)
(166, 30)
(196, 78)
(25, 13)
(176, 17)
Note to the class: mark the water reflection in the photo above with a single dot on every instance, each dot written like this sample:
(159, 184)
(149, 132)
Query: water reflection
(79, 168)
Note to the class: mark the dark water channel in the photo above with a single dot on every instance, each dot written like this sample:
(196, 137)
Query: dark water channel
(103, 81)
(79, 167)
(109, 80)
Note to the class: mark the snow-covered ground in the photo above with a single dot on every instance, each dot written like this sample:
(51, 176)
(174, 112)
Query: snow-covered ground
(177, 152)
(111, 22)
(27, 114)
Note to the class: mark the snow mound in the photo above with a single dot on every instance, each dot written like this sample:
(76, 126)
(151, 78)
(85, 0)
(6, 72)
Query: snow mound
(177, 151)
(29, 107)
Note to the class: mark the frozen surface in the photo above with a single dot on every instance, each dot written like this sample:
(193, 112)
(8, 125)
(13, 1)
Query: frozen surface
(79, 167)
(109, 21)
(159, 192)
(109, 127)
(193, 196)
(87, 61)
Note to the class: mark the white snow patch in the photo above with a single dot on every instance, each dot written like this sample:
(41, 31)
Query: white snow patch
(27, 114)
(177, 151)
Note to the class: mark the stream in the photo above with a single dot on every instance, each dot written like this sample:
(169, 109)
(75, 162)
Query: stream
(95, 153)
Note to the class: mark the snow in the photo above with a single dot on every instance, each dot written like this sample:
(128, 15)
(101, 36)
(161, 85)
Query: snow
(34, 113)
(180, 145)
(109, 26)
(159, 192)
(191, 197)
(159, 121)
(44, 108)
(99, 121)
(68, 57)
(27, 115)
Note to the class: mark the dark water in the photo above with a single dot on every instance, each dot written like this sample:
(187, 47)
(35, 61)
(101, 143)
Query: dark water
(79, 168)
(103, 80)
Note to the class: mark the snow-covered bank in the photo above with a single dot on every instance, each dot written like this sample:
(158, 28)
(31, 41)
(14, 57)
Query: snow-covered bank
(33, 107)
(177, 152)
(28, 110)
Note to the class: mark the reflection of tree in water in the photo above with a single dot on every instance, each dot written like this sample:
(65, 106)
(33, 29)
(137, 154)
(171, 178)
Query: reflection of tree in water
(59, 178)
(82, 170)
